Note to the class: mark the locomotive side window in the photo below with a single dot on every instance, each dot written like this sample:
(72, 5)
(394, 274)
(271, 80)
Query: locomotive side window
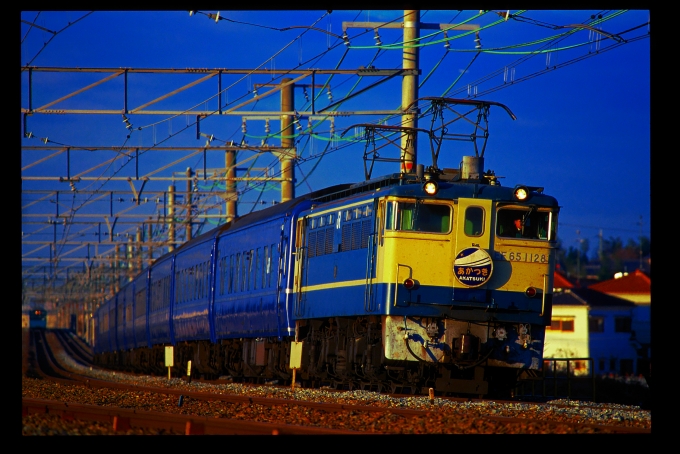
(474, 221)
(354, 234)
(526, 223)
(422, 217)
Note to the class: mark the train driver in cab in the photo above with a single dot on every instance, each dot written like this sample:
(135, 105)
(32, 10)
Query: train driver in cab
(516, 227)
(512, 227)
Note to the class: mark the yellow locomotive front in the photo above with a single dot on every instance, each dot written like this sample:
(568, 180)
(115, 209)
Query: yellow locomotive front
(444, 278)
(467, 273)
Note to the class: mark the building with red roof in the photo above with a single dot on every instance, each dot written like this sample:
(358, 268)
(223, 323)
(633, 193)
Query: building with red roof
(560, 281)
(607, 321)
(635, 287)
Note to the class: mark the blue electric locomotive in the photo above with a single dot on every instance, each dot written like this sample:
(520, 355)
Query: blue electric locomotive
(441, 278)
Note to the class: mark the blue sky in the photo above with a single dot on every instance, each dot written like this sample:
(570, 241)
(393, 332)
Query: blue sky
(583, 111)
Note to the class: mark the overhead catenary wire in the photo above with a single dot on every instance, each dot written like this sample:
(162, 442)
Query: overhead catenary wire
(318, 156)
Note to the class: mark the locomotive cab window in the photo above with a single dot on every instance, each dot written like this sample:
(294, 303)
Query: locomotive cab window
(532, 223)
(420, 217)
(474, 221)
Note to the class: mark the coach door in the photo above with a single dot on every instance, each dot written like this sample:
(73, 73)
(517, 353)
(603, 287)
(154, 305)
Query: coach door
(473, 224)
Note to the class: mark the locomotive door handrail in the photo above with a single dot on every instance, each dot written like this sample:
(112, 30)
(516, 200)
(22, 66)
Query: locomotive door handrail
(396, 280)
(147, 300)
(370, 262)
(372, 258)
(214, 252)
(279, 278)
(300, 268)
(171, 310)
(545, 285)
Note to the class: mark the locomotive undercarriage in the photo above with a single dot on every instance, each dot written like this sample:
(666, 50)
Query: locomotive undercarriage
(341, 353)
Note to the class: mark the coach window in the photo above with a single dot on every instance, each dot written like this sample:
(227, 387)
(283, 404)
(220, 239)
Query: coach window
(270, 258)
(249, 271)
(474, 221)
(265, 264)
(231, 286)
(237, 273)
(258, 268)
(244, 271)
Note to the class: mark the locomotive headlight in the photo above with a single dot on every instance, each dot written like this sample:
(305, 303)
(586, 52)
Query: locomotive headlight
(521, 192)
(431, 187)
(411, 284)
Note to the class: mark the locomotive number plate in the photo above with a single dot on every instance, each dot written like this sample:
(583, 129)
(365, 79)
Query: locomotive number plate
(518, 256)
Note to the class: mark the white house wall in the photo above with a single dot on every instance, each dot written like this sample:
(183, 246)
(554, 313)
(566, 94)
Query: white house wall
(561, 344)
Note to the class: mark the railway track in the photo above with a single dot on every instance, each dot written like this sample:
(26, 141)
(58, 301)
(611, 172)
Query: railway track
(179, 407)
(122, 420)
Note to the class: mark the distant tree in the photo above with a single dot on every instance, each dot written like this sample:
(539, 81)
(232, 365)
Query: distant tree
(612, 255)
(574, 260)
(645, 246)
(615, 254)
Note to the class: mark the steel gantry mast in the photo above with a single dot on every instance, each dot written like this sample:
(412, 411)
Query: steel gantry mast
(411, 26)
(129, 234)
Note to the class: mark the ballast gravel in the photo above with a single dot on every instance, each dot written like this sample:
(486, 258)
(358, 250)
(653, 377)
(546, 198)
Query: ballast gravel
(442, 416)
